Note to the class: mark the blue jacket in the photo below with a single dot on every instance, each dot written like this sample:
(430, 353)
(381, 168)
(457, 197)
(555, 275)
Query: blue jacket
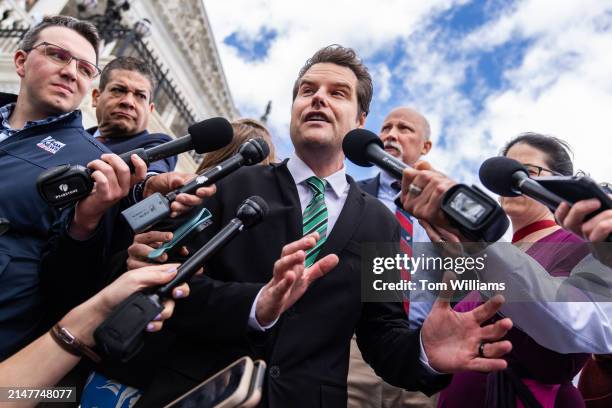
(23, 157)
(145, 140)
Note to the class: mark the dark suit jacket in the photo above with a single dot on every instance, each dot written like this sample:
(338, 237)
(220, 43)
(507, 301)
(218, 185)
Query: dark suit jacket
(307, 351)
(370, 185)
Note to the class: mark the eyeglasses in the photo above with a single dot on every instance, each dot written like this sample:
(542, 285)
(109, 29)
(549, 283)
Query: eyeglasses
(63, 57)
(535, 171)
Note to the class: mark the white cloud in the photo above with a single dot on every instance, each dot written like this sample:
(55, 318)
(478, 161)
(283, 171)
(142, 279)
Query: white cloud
(562, 86)
(381, 77)
(303, 28)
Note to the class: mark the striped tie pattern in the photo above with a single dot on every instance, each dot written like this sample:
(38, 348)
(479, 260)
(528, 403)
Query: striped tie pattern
(315, 217)
(406, 234)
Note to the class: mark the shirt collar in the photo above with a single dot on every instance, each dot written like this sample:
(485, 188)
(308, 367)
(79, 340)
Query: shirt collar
(7, 110)
(301, 172)
(5, 113)
(386, 180)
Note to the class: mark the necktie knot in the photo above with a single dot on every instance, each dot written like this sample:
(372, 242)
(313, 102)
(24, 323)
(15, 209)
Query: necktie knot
(396, 186)
(316, 184)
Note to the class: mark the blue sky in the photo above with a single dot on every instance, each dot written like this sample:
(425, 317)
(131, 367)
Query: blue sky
(480, 71)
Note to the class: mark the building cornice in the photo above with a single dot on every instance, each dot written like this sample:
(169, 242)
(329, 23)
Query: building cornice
(187, 22)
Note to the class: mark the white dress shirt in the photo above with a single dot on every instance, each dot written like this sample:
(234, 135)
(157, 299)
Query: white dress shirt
(336, 192)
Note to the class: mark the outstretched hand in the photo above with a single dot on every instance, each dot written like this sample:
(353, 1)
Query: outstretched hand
(452, 339)
(290, 279)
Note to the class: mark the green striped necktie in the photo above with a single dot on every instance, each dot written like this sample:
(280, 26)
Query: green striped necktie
(315, 217)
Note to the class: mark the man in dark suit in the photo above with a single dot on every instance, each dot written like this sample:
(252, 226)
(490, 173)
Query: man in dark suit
(295, 300)
(405, 134)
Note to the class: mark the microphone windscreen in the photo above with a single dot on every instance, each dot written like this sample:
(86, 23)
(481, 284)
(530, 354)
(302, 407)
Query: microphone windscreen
(355, 143)
(261, 203)
(252, 210)
(254, 151)
(496, 174)
(211, 134)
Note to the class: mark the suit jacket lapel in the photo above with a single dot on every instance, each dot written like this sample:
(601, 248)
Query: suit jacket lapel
(290, 200)
(347, 222)
(371, 186)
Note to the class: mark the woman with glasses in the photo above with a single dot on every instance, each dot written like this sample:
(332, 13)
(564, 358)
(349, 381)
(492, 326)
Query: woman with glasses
(536, 376)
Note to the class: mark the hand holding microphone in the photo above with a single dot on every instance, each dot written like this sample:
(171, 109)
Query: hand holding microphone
(122, 334)
(509, 178)
(63, 185)
(156, 207)
(430, 195)
(597, 229)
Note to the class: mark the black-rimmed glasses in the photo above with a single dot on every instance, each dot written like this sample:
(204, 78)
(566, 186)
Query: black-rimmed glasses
(63, 57)
(535, 171)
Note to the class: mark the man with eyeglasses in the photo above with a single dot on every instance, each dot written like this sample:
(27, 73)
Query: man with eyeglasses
(42, 128)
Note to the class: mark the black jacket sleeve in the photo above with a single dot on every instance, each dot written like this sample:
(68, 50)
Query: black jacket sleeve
(392, 348)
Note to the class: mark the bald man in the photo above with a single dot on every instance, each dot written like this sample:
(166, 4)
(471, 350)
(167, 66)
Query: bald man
(405, 134)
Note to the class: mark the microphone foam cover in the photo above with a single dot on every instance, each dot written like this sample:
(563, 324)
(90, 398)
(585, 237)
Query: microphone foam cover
(263, 205)
(211, 134)
(252, 210)
(355, 143)
(254, 151)
(496, 174)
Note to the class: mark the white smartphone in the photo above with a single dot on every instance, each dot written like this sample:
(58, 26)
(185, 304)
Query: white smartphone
(257, 380)
(226, 389)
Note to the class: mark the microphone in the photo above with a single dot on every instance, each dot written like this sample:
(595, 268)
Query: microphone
(63, 185)
(122, 334)
(365, 148)
(509, 178)
(156, 207)
(251, 212)
(198, 139)
(472, 211)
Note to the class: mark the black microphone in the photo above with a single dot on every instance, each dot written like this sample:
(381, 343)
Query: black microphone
(156, 207)
(63, 185)
(205, 136)
(251, 212)
(122, 333)
(509, 178)
(365, 148)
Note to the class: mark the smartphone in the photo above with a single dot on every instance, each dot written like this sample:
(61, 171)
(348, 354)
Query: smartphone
(226, 389)
(255, 389)
(574, 188)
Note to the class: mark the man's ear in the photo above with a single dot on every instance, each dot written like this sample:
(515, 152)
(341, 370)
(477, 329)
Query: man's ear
(19, 59)
(151, 107)
(426, 147)
(361, 118)
(95, 94)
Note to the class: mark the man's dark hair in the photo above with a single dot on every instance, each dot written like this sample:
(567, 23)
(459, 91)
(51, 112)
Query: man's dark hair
(85, 28)
(557, 151)
(128, 64)
(345, 57)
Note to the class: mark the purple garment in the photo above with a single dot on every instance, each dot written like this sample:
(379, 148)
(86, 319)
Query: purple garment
(528, 359)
